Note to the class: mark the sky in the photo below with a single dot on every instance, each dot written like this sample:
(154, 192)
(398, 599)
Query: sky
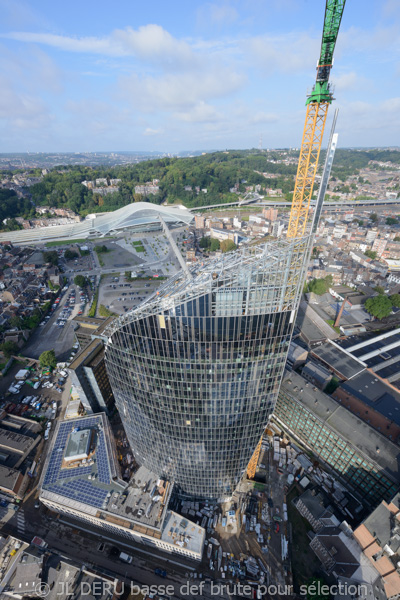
(182, 75)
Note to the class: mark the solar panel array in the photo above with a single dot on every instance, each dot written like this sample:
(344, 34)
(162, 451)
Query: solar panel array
(57, 455)
(80, 490)
(75, 472)
(73, 482)
(102, 460)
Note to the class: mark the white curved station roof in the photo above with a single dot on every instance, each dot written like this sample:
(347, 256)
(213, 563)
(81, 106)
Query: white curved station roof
(138, 215)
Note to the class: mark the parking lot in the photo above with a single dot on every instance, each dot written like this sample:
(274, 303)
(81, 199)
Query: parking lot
(84, 262)
(119, 296)
(118, 256)
(38, 395)
(56, 331)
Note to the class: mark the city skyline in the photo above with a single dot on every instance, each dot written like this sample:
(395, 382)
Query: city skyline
(177, 77)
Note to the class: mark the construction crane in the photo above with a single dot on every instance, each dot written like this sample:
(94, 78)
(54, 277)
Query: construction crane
(317, 109)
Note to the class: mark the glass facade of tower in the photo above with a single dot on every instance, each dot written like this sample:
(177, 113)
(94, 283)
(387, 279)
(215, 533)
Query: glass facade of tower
(196, 369)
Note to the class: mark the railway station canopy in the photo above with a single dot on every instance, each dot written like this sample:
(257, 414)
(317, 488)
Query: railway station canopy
(138, 216)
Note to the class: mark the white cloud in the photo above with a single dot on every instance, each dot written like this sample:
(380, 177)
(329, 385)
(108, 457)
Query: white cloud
(287, 53)
(149, 42)
(263, 117)
(19, 109)
(201, 112)
(152, 42)
(346, 81)
(368, 42)
(369, 124)
(175, 92)
(217, 14)
(33, 70)
(391, 8)
(44, 72)
(149, 131)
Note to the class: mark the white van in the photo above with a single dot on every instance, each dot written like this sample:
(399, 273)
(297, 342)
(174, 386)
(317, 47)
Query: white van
(125, 557)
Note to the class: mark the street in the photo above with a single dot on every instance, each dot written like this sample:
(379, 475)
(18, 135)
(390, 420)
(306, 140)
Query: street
(83, 548)
(49, 336)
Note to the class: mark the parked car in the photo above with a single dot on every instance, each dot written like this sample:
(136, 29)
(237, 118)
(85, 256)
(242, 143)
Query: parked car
(160, 572)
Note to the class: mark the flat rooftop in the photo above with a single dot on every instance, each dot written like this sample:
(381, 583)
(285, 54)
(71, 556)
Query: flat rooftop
(379, 352)
(84, 356)
(74, 483)
(93, 486)
(8, 478)
(308, 328)
(182, 532)
(345, 424)
(141, 500)
(15, 442)
(376, 394)
(335, 358)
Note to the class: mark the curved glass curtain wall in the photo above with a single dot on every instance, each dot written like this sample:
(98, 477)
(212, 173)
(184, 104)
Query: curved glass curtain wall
(196, 379)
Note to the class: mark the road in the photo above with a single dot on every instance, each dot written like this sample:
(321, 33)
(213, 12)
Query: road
(332, 205)
(83, 548)
(50, 336)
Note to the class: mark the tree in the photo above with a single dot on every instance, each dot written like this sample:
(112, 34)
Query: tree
(397, 239)
(380, 306)
(9, 348)
(214, 245)
(80, 281)
(379, 289)
(373, 217)
(101, 249)
(370, 254)
(11, 225)
(48, 359)
(391, 221)
(51, 257)
(70, 254)
(395, 300)
(318, 286)
(317, 589)
(227, 246)
(205, 243)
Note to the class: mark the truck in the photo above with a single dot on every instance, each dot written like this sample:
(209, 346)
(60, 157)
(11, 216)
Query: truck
(22, 374)
(125, 557)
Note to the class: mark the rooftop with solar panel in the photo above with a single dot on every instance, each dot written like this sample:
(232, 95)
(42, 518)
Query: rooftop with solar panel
(82, 474)
(81, 464)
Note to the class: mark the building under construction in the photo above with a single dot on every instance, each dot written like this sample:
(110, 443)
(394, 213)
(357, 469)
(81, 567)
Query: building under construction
(196, 369)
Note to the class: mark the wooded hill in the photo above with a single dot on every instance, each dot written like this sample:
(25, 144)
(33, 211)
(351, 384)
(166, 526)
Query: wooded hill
(216, 172)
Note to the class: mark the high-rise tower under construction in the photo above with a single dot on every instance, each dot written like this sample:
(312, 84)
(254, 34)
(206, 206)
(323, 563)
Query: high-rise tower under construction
(196, 369)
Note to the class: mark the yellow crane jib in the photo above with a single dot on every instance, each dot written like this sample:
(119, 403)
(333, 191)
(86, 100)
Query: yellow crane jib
(317, 110)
